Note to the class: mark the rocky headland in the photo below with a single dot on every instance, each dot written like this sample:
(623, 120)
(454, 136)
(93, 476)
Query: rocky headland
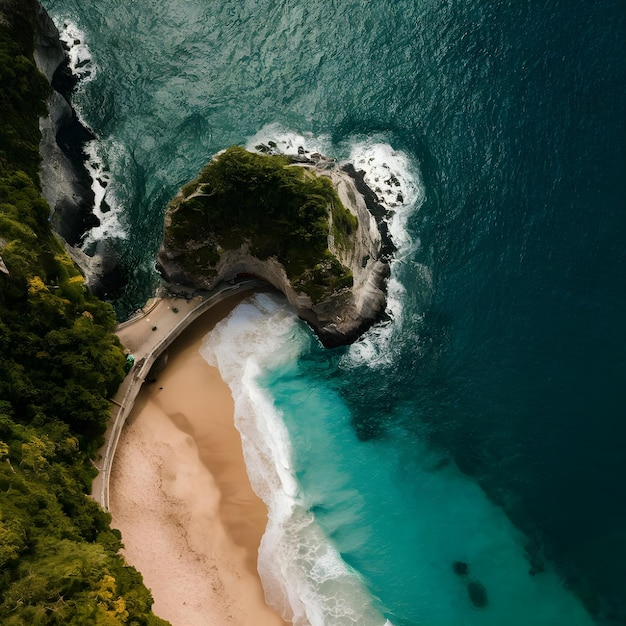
(304, 225)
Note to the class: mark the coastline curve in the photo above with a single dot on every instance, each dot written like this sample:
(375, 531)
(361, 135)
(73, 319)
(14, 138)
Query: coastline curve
(147, 336)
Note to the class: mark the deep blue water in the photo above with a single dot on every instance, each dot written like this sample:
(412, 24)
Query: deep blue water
(506, 367)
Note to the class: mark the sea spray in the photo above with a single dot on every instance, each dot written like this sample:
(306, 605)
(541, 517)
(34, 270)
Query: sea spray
(80, 59)
(106, 207)
(396, 181)
(304, 577)
(289, 142)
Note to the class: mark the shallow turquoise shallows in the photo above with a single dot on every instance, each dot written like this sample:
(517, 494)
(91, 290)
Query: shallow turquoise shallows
(463, 463)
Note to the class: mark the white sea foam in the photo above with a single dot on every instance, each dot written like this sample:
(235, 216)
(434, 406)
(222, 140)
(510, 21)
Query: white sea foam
(397, 183)
(81, 61)
(390, 173)
(398, 186)
(107, 208)
(304, 577)
(372, 348)
(289, 142)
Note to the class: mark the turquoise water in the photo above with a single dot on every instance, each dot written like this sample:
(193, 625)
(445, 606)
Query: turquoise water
(482, 424)
(394, 515)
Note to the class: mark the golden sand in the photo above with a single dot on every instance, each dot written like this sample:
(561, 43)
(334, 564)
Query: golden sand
(180, 494)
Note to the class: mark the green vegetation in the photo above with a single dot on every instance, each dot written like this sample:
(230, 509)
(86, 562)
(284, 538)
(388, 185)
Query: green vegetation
(23, 90)
(59, 362)
(281, 210)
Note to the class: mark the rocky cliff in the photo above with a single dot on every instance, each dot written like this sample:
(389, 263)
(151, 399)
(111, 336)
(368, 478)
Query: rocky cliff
(65, 181)
(340, 296)
(66, 184)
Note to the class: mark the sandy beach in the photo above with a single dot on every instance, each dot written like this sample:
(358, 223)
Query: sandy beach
(180, 494)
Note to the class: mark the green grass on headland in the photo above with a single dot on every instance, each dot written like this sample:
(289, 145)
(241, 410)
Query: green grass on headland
(280, 210)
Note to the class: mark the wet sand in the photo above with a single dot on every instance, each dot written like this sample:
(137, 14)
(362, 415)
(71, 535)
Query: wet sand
(180, 494)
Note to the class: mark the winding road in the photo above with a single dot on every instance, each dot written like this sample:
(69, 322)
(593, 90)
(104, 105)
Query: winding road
(147, 336)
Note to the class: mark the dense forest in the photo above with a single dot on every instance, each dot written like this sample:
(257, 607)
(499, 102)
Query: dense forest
(59, 362)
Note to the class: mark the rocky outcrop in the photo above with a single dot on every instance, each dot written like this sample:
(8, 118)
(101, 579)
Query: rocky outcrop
(65, 181)
(66, 184)
(339, 318)
(49, 53)
(345, 316)
(66, 188)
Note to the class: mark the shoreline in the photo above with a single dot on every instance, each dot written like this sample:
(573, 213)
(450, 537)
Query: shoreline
(148, 336)
(181, 496)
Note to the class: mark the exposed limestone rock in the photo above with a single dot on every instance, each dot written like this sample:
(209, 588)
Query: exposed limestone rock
(101, 271)
(67, 190)
(3, 268)
(49, 53)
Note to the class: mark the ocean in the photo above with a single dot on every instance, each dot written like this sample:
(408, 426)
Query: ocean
(463, 463)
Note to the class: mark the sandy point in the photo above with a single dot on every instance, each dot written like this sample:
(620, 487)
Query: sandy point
(181, 497)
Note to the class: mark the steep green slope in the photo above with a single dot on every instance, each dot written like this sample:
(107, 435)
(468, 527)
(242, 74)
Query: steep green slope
(59, 361)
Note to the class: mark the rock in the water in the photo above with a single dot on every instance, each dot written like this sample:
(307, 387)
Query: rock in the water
(460, 568)
(477, 594)
(102, 271)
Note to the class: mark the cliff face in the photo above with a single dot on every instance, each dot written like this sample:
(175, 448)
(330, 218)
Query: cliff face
(66, 184)
(344, 316)
(65, 181)
(339, 317)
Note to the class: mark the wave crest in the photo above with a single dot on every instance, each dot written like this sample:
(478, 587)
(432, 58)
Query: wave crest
(304, 576)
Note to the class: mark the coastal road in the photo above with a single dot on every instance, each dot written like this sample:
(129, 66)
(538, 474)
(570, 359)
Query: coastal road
(147, 336)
